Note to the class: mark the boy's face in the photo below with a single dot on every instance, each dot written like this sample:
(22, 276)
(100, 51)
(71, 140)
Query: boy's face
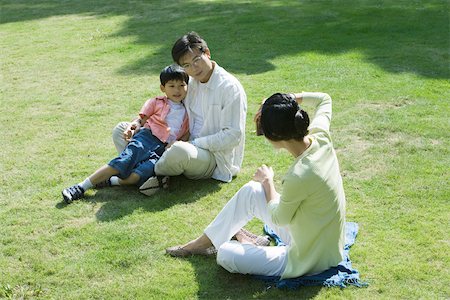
(175, 90)
(197, 64)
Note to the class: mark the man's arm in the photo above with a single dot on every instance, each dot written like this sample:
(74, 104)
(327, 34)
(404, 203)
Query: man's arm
(232, 123)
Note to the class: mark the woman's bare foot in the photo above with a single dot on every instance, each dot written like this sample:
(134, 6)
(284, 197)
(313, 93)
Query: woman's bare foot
(246, 237)
(200, 246)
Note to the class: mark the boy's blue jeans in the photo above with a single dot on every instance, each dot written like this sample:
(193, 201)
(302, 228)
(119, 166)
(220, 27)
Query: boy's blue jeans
(139, 156)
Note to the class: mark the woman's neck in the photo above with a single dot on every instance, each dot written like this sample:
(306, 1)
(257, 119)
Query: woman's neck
(295, 147)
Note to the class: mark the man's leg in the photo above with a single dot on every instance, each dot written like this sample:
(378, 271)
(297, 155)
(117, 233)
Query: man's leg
(185, 158)
(117, 136)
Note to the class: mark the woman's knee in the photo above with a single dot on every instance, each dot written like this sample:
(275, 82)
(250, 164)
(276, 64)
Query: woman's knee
(226, 255)
(251, 189)
(253, 186)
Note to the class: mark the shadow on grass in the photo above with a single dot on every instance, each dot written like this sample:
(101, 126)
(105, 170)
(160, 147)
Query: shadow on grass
(245, 36)
(213, 280)
(119, 202)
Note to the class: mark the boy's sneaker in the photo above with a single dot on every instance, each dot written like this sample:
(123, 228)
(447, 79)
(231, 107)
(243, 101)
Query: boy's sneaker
(154, 184)
(72, 193)
(103, 184)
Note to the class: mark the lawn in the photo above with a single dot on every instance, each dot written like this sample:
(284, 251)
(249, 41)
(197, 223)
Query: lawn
(71, 70)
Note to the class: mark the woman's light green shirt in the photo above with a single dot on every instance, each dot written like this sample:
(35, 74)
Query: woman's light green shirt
(312, 203)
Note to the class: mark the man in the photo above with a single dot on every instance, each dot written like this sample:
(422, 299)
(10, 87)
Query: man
(216, 104)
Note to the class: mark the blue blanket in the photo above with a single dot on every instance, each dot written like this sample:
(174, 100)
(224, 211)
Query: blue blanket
(341, 275)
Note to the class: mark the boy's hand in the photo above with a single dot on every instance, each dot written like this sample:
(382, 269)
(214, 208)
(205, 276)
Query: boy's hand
(130, 131)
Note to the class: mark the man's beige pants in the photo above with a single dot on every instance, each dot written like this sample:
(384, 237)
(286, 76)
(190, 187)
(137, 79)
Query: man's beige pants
(181, 158)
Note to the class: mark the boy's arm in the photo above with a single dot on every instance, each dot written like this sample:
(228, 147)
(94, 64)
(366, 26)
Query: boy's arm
(135, 125)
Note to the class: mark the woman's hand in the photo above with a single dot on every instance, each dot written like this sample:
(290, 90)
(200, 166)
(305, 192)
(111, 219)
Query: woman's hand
(263, 174)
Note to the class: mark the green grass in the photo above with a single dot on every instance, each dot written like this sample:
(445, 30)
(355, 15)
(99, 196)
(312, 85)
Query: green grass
(71, 70)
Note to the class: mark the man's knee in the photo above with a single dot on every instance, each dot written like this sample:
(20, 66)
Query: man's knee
(174, 160)
(178, 152)
(118, 130)
(117, 136)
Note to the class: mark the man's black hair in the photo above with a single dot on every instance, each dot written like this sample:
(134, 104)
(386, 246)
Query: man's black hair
(187, 43)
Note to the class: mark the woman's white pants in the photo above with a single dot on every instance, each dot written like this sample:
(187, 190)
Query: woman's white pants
(247, 203)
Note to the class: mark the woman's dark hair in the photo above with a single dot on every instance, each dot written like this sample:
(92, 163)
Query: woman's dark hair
(186, 43)
(173, 72)
(283, 119)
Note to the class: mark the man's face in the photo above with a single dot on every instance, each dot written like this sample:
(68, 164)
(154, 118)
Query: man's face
(197, 64)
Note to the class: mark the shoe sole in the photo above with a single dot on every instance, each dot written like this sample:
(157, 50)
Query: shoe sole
(153, 185)
(66, 197)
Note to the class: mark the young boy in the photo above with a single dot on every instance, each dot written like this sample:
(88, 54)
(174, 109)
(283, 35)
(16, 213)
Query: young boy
(162, 120)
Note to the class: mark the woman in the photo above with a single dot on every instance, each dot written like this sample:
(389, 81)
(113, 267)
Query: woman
(309, 215)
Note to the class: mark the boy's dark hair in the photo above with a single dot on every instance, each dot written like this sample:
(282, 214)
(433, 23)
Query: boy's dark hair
(283, 119)
(186, 43)
(173, 72)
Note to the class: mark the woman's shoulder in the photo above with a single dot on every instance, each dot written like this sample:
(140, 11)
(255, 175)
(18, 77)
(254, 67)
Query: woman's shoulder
(299, 171)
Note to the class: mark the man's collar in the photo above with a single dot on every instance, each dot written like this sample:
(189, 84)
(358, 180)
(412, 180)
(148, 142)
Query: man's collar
(213, 77)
